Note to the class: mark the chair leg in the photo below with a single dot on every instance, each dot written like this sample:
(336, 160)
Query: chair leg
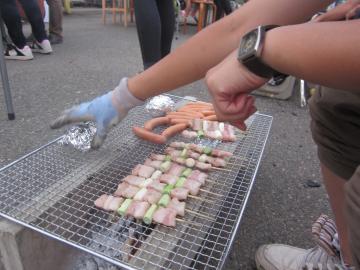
(131, 10)
(125, 12)
(114, 11)
(103, 8)
(201, 16)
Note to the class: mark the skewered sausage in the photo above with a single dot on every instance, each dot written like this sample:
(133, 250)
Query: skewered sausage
(149, 136)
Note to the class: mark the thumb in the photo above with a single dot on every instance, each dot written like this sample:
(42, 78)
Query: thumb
(99, 137)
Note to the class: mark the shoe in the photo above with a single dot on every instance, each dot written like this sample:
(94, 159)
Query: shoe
(43, 47)
(283, 257)
(14, 53)
(55, 39)
(325, 256)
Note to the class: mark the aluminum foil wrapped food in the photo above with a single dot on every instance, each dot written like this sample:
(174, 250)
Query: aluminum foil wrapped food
(79, 136)
(159, 105)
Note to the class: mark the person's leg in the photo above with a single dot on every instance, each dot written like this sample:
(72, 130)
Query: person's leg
(226, 6)
(335, 129)
(148, 26)
(219, 9)
(56, 16)
(335, 189)
(167, 19)
(352, 202)
(33, 14)
(12, 21)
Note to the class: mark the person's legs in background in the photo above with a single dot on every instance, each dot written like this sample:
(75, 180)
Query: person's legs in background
(33, 14)
(226, 6)
(155, 23)
(12, 20)
(148, 26)
(55, 24)
(223, 7)
(167, 20)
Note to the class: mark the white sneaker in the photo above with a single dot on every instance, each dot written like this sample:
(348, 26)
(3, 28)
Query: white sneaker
(43, 47)
(283, 257)
(14, 53)
(325, 256)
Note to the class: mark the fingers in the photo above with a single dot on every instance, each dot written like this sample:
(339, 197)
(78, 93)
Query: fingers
(73, 115)
(240, 124)
(99, 137)
(353, 12)
(239, 111)
(242, 109)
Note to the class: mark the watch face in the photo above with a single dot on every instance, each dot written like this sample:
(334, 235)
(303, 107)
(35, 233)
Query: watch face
(247, 45)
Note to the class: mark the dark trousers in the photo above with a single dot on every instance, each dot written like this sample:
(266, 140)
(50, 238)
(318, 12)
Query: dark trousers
(223, 6)
(12, 20)
(155, 22)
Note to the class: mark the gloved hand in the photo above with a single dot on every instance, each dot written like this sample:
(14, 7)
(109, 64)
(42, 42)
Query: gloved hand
(106, 111)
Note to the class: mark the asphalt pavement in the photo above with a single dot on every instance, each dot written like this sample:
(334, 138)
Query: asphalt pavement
(92, 60)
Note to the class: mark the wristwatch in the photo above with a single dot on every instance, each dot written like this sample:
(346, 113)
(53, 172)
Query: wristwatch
(250, 50)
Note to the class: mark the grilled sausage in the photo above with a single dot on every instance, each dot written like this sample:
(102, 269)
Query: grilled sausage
(158, 121)
(171, 131)
(149, 136)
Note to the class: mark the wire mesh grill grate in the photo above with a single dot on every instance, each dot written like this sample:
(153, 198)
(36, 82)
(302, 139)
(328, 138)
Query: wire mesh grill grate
(52, 190)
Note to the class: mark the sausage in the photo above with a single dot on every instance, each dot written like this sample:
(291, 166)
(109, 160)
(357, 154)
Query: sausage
(149, 136)
(175, 121)
(211, 118)
(171, 131)
(158, 121)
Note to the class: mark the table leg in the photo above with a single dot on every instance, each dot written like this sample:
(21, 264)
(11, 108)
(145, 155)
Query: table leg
(4, 77)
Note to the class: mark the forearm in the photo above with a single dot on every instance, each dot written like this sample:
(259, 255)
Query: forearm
(325, 53)
(194, 58)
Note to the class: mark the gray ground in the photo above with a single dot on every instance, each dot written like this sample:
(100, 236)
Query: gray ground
(94, 57)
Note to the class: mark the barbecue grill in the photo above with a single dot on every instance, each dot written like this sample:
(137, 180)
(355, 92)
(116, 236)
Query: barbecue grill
(52, 190)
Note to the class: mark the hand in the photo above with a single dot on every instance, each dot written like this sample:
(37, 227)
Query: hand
(106, 111)
(346, 11)
(229, 84)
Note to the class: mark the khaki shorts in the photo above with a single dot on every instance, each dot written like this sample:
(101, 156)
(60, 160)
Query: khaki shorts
(335, 127)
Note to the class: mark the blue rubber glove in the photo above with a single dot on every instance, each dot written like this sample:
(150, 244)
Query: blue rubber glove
(106, 111)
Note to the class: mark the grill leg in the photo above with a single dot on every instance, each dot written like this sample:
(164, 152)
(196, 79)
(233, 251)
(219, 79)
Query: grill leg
(4, 76)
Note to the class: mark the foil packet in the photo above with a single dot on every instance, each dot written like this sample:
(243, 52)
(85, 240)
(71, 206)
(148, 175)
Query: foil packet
(159, 105)
(79, 136)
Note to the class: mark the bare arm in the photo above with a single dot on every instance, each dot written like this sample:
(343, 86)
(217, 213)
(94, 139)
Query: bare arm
(325, 53)
(193, 59)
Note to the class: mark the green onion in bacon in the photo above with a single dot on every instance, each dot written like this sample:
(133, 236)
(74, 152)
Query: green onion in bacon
(164, 200)
(168, 188)
(180, 182)
(183, 153)
(207, 150)
(165, 166)
(124, 206)
(186, 172)
(149, 214)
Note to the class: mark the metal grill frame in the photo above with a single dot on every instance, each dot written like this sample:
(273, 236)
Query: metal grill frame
(63, 173)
